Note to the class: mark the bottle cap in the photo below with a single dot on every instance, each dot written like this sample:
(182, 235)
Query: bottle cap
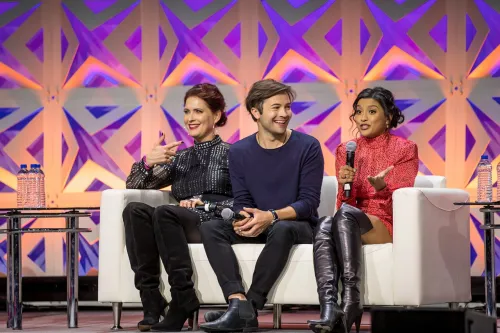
(484, 157)
(33, 166)
(24, 166)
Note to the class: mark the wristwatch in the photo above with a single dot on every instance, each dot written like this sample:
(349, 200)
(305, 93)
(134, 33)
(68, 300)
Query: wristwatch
(275, 216)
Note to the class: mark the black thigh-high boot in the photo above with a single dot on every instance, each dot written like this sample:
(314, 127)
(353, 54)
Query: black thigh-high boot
(174, 227)
(348, 225)
(327, 278)
(144, 261)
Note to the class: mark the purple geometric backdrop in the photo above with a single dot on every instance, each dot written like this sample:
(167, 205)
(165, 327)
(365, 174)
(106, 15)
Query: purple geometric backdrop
(117, 71)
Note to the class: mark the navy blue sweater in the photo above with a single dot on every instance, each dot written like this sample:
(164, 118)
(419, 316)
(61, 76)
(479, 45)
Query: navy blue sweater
(290, 175)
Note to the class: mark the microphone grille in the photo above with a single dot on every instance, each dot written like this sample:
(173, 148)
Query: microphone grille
(351, 146)
(227, 214)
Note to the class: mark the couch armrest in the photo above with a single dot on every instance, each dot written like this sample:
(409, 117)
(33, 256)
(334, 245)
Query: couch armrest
(431, 250)
(112, 236)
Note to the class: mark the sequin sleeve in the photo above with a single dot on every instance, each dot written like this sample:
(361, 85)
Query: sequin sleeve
(404, 172)
(226, 203)
(340, 158)
(154, 178)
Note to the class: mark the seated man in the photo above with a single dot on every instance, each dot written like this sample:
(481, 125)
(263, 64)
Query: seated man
(276, 176)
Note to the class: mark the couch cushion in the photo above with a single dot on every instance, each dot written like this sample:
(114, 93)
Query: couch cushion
(296, 285)
(378, 275)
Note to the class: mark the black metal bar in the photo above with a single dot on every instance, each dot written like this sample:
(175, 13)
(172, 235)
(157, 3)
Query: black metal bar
(72, 262)
(489, 227)
(9, 275)
(43, 230)
(489, 265)
(46, 215)
(14, 276)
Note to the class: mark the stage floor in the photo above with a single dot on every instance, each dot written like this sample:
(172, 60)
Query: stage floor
(101, 321)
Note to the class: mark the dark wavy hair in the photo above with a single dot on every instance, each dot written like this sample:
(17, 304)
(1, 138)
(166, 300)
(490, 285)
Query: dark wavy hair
(212, 96)
(386, 100)
(264, 89)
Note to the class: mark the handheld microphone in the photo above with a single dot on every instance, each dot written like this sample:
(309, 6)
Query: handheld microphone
(350, 148)
(208, 207)
(228, 214)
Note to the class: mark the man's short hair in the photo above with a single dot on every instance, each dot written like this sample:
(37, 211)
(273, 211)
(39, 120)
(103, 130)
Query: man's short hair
(264, 89)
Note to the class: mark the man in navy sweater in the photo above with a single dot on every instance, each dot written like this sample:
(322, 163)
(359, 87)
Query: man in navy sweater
(276, 175)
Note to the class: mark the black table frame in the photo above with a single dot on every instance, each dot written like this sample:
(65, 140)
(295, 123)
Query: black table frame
(14, 259)
(488, 209)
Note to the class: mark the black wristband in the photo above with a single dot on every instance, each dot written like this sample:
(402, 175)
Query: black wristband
(275, 215)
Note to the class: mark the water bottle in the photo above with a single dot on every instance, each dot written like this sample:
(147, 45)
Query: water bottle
(40, 186)
(498, 181)
(484, 185)
(31, 187)
(22, 179)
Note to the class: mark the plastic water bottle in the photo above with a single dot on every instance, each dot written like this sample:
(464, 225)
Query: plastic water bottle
(40, 177)
(484, 184)
(498, 181)
(22, 180)
(31, 187)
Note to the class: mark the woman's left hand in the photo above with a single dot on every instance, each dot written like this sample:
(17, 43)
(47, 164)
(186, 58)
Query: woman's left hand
(378, 181)
(191, 203)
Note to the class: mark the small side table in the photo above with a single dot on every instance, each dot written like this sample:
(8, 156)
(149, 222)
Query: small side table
(488, 209)
(14, 260)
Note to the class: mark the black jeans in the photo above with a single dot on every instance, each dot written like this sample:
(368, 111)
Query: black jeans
(218, 236)
(162, 232)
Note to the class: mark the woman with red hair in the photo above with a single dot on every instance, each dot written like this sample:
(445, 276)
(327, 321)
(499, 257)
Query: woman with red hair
(198, 175)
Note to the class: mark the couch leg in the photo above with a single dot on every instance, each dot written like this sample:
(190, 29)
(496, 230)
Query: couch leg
(193, 321)
(117, 315)
(277, 316)
(453, 305)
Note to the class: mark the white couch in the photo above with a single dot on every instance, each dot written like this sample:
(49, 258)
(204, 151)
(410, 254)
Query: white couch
(428, 263)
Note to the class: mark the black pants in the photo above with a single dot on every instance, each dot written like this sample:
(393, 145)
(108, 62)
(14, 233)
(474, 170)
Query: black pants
(218, 236)
(163, 232)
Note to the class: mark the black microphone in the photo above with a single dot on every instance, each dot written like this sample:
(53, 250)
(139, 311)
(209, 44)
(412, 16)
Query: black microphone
(350, 147)
(208, 207)
(228, 214)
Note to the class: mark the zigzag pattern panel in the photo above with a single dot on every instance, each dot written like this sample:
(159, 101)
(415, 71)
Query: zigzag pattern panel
(482, 107)
(101, 44)
(116, 91)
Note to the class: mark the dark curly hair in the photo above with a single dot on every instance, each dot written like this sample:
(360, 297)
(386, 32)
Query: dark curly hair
(212, 96)
(264, 89)
(386, 100)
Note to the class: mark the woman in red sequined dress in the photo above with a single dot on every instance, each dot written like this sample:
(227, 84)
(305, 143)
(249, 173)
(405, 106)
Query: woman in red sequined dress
(383, 163)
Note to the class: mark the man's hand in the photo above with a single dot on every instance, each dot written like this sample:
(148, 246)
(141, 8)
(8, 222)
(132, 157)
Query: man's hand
(162, 154)
(378, 181)
(260, 222)
(238, 225)
(190, 203)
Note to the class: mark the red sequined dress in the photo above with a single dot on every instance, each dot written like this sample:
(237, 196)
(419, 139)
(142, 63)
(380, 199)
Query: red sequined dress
(372, 156)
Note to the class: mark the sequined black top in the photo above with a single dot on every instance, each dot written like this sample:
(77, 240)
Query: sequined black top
(200, 171)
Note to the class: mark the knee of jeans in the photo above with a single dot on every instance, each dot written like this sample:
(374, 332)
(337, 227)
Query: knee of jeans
(132, 208)
(282, 231)
(210, 228)
(160, 212)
